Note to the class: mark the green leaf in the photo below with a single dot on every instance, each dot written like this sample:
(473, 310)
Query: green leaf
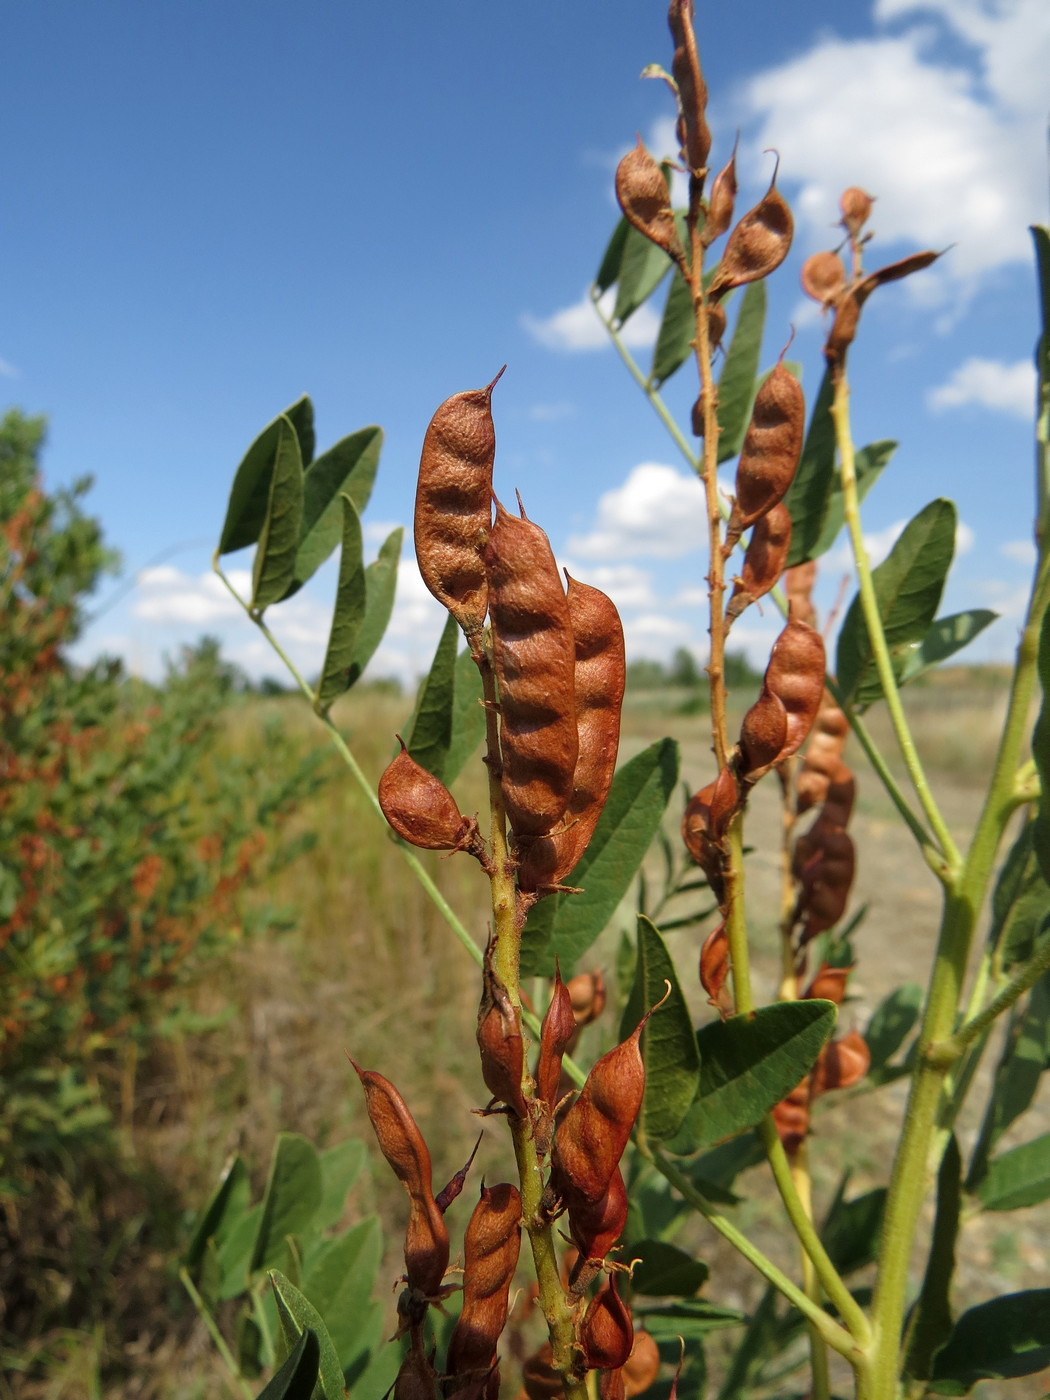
(341, 1165)
(890, 1025)
(274, 565)
(1018, 1178)
(930, 1324)
(851, 1231)
(235, 1254)
(609, 270)
(748, 1064)
(250, 492)
(908, 586)
(868, 466)
(1041, 750)
(808, 496)
(348, 615)
(565, 926)
(1001, 1339)
(468, 716)
(297, 1377)
(715, 1171)
(674, 344)
(692, 1318)
(380, 588)
(296, 1314)
(643, 267)
(756, 1346)
(228, 1202)
(338, 1280)
(947, 636)
(664, 1270)
(736, 383)
(1020, 901)
(348, 468)
(1017, 1075)
(293, 1194)
(672, 1063)
(430, 733)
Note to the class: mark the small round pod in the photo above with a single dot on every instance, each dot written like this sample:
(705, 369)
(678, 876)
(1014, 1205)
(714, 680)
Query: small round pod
(842, 1063)
(421, 809)
(642, 1366)
(856, 206)
(824, 277)
(607, 1331)
(646, 201)
(454, 504)
(771, 451)
(534, 654)
(791, 1117)
(795, 675)
(757, 245)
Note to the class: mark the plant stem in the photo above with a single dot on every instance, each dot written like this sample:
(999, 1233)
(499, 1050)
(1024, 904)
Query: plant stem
(1029, 973)
(873, 622)
(818, 1352)
(213, 1332)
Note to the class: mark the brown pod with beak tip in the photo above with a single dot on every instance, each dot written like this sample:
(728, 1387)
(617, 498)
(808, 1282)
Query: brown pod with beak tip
(795, 675)
(421, 809)
(646, 201)
(764, 560)
(607, 1332)
(500, 1041)
(758, 244)
(772, 447)
(490, 1256)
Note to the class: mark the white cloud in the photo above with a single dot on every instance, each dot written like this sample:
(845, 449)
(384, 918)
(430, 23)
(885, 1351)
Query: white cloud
(1020, 551)
(657, 511)
(578, 328)
(551, 412)
(8, 370)
(626, 584)
(654, 635)
(987, 384)
(166, 595)
(954, 153)
(879, 543)
(964, 538)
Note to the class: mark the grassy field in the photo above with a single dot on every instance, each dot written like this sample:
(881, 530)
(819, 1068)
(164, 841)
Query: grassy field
(367, 966)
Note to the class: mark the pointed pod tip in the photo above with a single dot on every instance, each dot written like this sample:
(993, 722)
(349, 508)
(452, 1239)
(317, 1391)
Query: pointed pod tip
(489, 387)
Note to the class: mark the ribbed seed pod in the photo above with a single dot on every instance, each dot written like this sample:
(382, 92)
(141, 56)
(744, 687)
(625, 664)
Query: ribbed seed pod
(421, 809)
(795, 675)
(454, 504)
(823, 755)
(559, 1026)
(535, 659)
(607, 1332)
(772, 447)
(490, 1256)
(599, 677)
(500, 1041)
(595, 1226)
(705, 822)
(645, 200)
(764, 560)
(763, 735)
(758, 244)
(798, 585)
(824, 862)
(694, 135)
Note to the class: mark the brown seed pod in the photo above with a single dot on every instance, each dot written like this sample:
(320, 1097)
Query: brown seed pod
(714, 971)
(612, 1385)
(772, 447)
(791, 1118)
(607, 1332)
(500, 1041)
(599, 678)
(705, 822)
(795, 675)
(588, 996)
(454, 504)
(841, 1064)
(856, 206)
(454, 1186)
(824, 862)
(539, 1379)
(720, 205)
(764, 560)
(838, 800)
(490, 1256)
(416, 1378)
(763, 735)
(421, 809)
(595, 1226)
(645, 200)
(758, 244)
(557, 1030)
(847, 315)
(828, 984)
(642, 1366)
(798, 585)
(824, 277)
(535, 659)
(694, 135)
(823, 755)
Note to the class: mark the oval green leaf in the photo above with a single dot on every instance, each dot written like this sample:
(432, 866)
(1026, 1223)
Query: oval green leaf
(1041, 750)
(293, 1193)
(297, 1314)
(998, 1340)
(663, 1270)
(468, 716)
(1019, 1178)
(274, 564)
(736, 383)
(349, 468)
(380, 588)
(295, 1380)
(677, 329)
(250, 492)
(429, 734)
(810, 491)
(348, 615)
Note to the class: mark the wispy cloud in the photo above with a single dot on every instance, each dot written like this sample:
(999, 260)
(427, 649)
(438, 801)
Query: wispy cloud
(657, 511)
(577, 328)
(8, 370)
(991, 384)
(1020, 551)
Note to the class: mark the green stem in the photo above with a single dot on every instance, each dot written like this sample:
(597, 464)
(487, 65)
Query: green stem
(818, 1352)
(832, 1332)
(213, 1331)
(873, 622)
(736, 918)
(1025, 978)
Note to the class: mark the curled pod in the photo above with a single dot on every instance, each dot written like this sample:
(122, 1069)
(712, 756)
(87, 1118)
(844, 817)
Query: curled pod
(798, 585)
(856, 206)
(490, 1256)
(758, 244)
(500, 1041)
(714, 971)
(791, 1118)
(556, 1032)
(824, 277)
(841, 1064)
(595, 1226)
(764, 560)
(454, 504)
(593, 1134)
(646, 201)
(599, 676)
(720, 204)
(642, 1366)
(694, 135)
(607, 1332)
(534, 653)
(795, 675)
(772, 447)
(421, 809)
(843, 330)
(763, 735)
(828, 984)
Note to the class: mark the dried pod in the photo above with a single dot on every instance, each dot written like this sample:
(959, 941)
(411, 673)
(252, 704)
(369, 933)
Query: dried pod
(843, 330)
(772, 447)
(838, 799)
(791, 1118)
(599, 677)
(758, 244)
(824, 277)
(714, 971)
(490, 1256)
(646, 201)
(454, 504)
(559, 1025)
(841, 1064)
(452, 1189)
(587, 995)
(764, 560)
(904, 267)
(720, 204)
(798, 585)
(612, 1385)
(500, 1041)
(763, 736)
(716, 329)
(421, 809)
(822, 757)
(416, 1379)
(593, 1134)
(828, 984)
(535, 659)
(539, 1379)
(856, 206)
(705, 822)
(607, 1332)
(824, 863)
(643, 1365)
(595, 1226)
(795, 675)
(694, 135)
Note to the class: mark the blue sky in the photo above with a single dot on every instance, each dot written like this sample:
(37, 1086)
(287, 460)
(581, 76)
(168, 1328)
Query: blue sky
(214, 207)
